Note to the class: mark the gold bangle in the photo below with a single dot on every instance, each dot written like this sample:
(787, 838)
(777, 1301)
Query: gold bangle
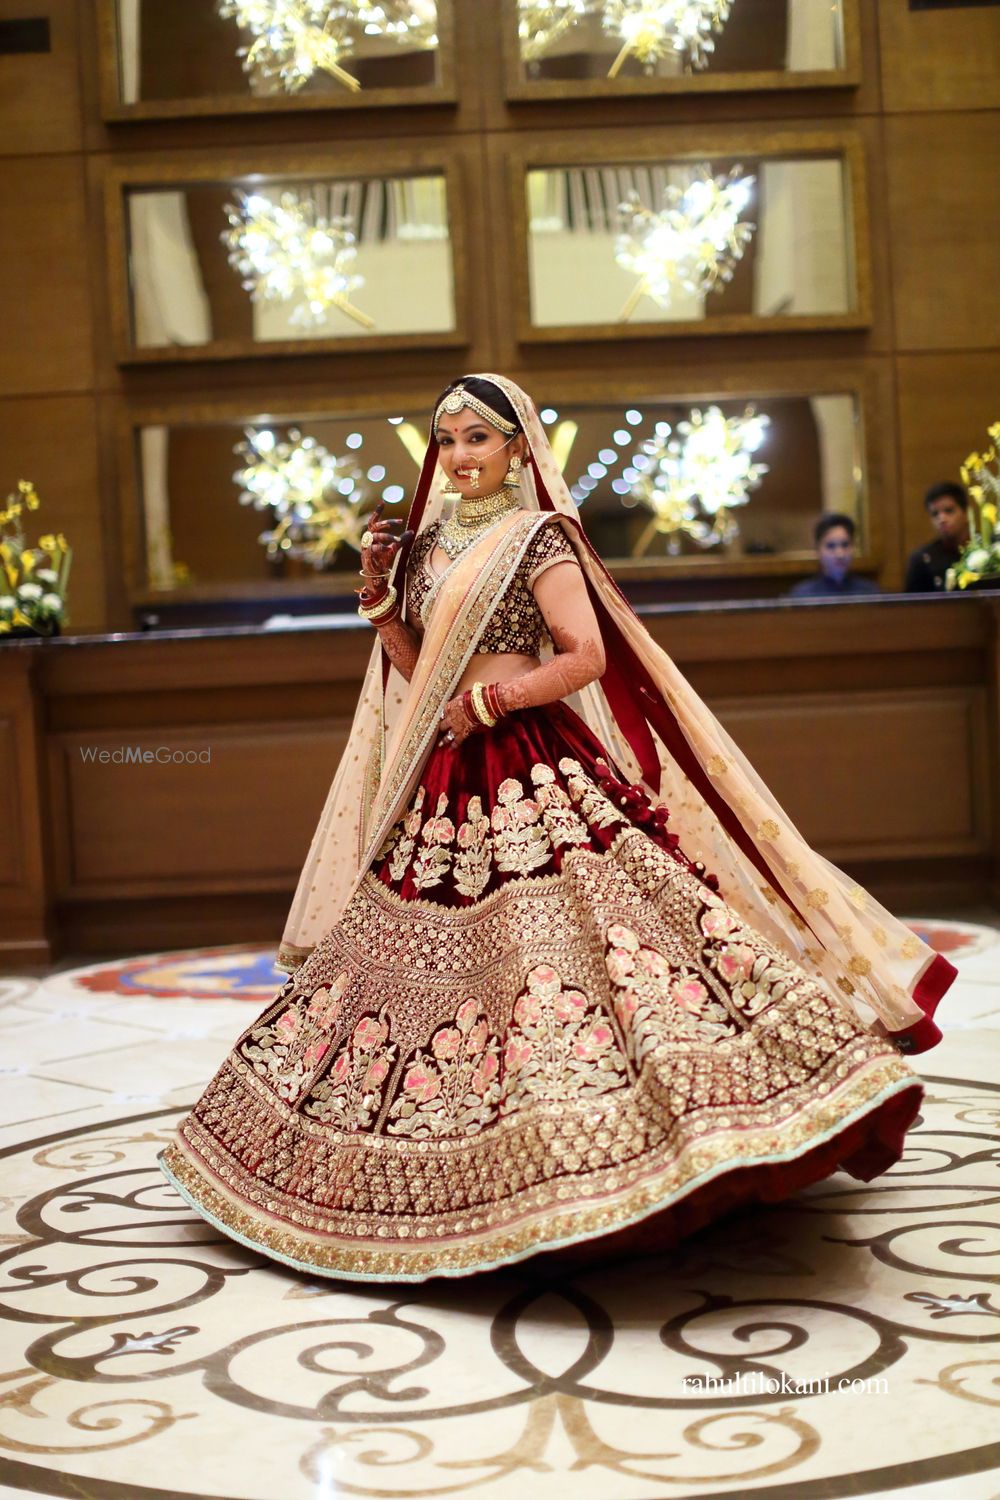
(383, 607)
(479, 705)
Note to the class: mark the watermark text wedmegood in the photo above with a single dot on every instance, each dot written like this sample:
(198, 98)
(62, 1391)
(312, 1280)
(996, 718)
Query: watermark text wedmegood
(138, 755)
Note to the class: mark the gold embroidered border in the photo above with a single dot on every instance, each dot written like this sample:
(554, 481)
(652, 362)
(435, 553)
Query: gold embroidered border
(477, 1245)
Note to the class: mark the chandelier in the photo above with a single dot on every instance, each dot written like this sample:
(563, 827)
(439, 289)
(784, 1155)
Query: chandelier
(691, 481)
(314, 494)
(694, 242)
(286, 250)
(540, 23)
(294, 39)
(647, 29)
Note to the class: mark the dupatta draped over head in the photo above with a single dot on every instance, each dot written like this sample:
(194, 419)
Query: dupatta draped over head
(657, 729)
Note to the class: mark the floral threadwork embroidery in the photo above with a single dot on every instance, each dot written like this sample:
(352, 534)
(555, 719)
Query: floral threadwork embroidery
(349, 1097)
(475, 852)
(657, 1004)
(561, 1046)
(434, 859)
(288, 1047)
(519, 836)
(452, 1087)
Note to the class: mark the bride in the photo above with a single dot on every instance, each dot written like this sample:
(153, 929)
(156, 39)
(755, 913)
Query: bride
(560, 968)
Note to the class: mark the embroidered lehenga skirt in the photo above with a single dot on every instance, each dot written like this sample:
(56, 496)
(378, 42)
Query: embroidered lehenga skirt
(537, 1026)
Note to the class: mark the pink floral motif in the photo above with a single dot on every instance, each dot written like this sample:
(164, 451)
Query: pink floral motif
(652, 963)
(421, 1084)
(623, 937)
(377, 1072)
(655, 1003)
(288, 1024)
(477, 1038)
(451, 1088)
(571, 1005)
(527, 1010)
(315, 1053)
(561, 1046)
(369, 1033)
(485, 1073)
(734, 963)
(718, 922)
(620, 964)
(516, 1053)
(690, 993)
(467, 1015)
(348, 1094)
(447, 1043)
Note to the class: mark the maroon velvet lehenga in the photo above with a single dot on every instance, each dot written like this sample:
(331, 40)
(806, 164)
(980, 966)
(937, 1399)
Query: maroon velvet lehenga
(537, 1025)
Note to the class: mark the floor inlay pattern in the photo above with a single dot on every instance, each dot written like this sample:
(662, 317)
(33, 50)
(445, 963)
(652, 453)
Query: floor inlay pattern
(847, 1342)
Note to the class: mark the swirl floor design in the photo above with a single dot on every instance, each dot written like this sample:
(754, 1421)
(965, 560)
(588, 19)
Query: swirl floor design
(846, 1343)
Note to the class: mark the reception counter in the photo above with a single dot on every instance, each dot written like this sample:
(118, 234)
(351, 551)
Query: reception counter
(161, 790)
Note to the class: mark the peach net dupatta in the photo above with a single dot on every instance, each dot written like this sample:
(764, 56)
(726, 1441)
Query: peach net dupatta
(392, 734)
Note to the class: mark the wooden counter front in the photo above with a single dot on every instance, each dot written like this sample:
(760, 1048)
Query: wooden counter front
(875, 724)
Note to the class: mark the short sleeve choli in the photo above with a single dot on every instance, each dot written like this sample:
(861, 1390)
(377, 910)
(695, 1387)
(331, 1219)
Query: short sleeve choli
(516, 623)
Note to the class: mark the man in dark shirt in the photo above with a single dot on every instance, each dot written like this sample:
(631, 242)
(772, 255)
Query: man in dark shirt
(834, 535)
(947, 505)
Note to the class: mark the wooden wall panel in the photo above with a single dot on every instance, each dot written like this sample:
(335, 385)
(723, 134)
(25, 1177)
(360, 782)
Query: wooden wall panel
(946, 402)
(944, 229)
(922, 794)
(938, 59)
(44, 296)
(237, 823)
(53, 441)
(40, 106)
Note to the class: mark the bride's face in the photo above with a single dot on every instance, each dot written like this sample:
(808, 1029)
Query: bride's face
(468, 445)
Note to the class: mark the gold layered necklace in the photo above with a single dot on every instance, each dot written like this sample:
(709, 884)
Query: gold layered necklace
(471, 517)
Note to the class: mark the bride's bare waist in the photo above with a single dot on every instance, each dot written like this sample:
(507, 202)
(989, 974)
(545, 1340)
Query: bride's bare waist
(487, 666)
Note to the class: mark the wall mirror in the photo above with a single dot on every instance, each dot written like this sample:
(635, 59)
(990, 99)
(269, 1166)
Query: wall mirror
(729, 485)
(276, 504)
(573, 48)
(190, 57)
(258, 263)
(710, 244)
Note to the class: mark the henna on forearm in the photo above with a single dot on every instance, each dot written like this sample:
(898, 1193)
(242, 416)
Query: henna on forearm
(576, 663)
(561, 595)
(401, 645)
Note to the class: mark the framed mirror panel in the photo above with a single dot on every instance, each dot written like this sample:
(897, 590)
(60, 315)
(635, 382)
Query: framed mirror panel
(740, 236)
(570, 49)
(727, 485)
(231, 263)
(170, 58)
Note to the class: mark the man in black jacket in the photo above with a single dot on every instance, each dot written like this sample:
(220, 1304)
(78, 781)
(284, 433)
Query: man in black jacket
(947, 505)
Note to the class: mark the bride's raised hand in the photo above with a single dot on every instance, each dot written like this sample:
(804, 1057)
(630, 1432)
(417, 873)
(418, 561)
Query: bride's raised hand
(380, 544)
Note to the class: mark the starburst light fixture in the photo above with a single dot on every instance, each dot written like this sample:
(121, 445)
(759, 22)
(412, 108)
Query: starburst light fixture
(295, 39)
(694, 243)
(316, 495)
(652, 29)
(286, 250)
(692, 481)
(647, 29)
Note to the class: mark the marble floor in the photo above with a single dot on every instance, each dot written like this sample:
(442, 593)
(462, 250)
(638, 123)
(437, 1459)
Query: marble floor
(844, 1343)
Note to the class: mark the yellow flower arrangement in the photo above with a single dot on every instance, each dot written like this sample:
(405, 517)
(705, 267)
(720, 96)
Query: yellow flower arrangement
(980, 557)
(33, 580)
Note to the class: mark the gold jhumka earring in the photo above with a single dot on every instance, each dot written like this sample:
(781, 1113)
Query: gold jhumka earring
(513, 475)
